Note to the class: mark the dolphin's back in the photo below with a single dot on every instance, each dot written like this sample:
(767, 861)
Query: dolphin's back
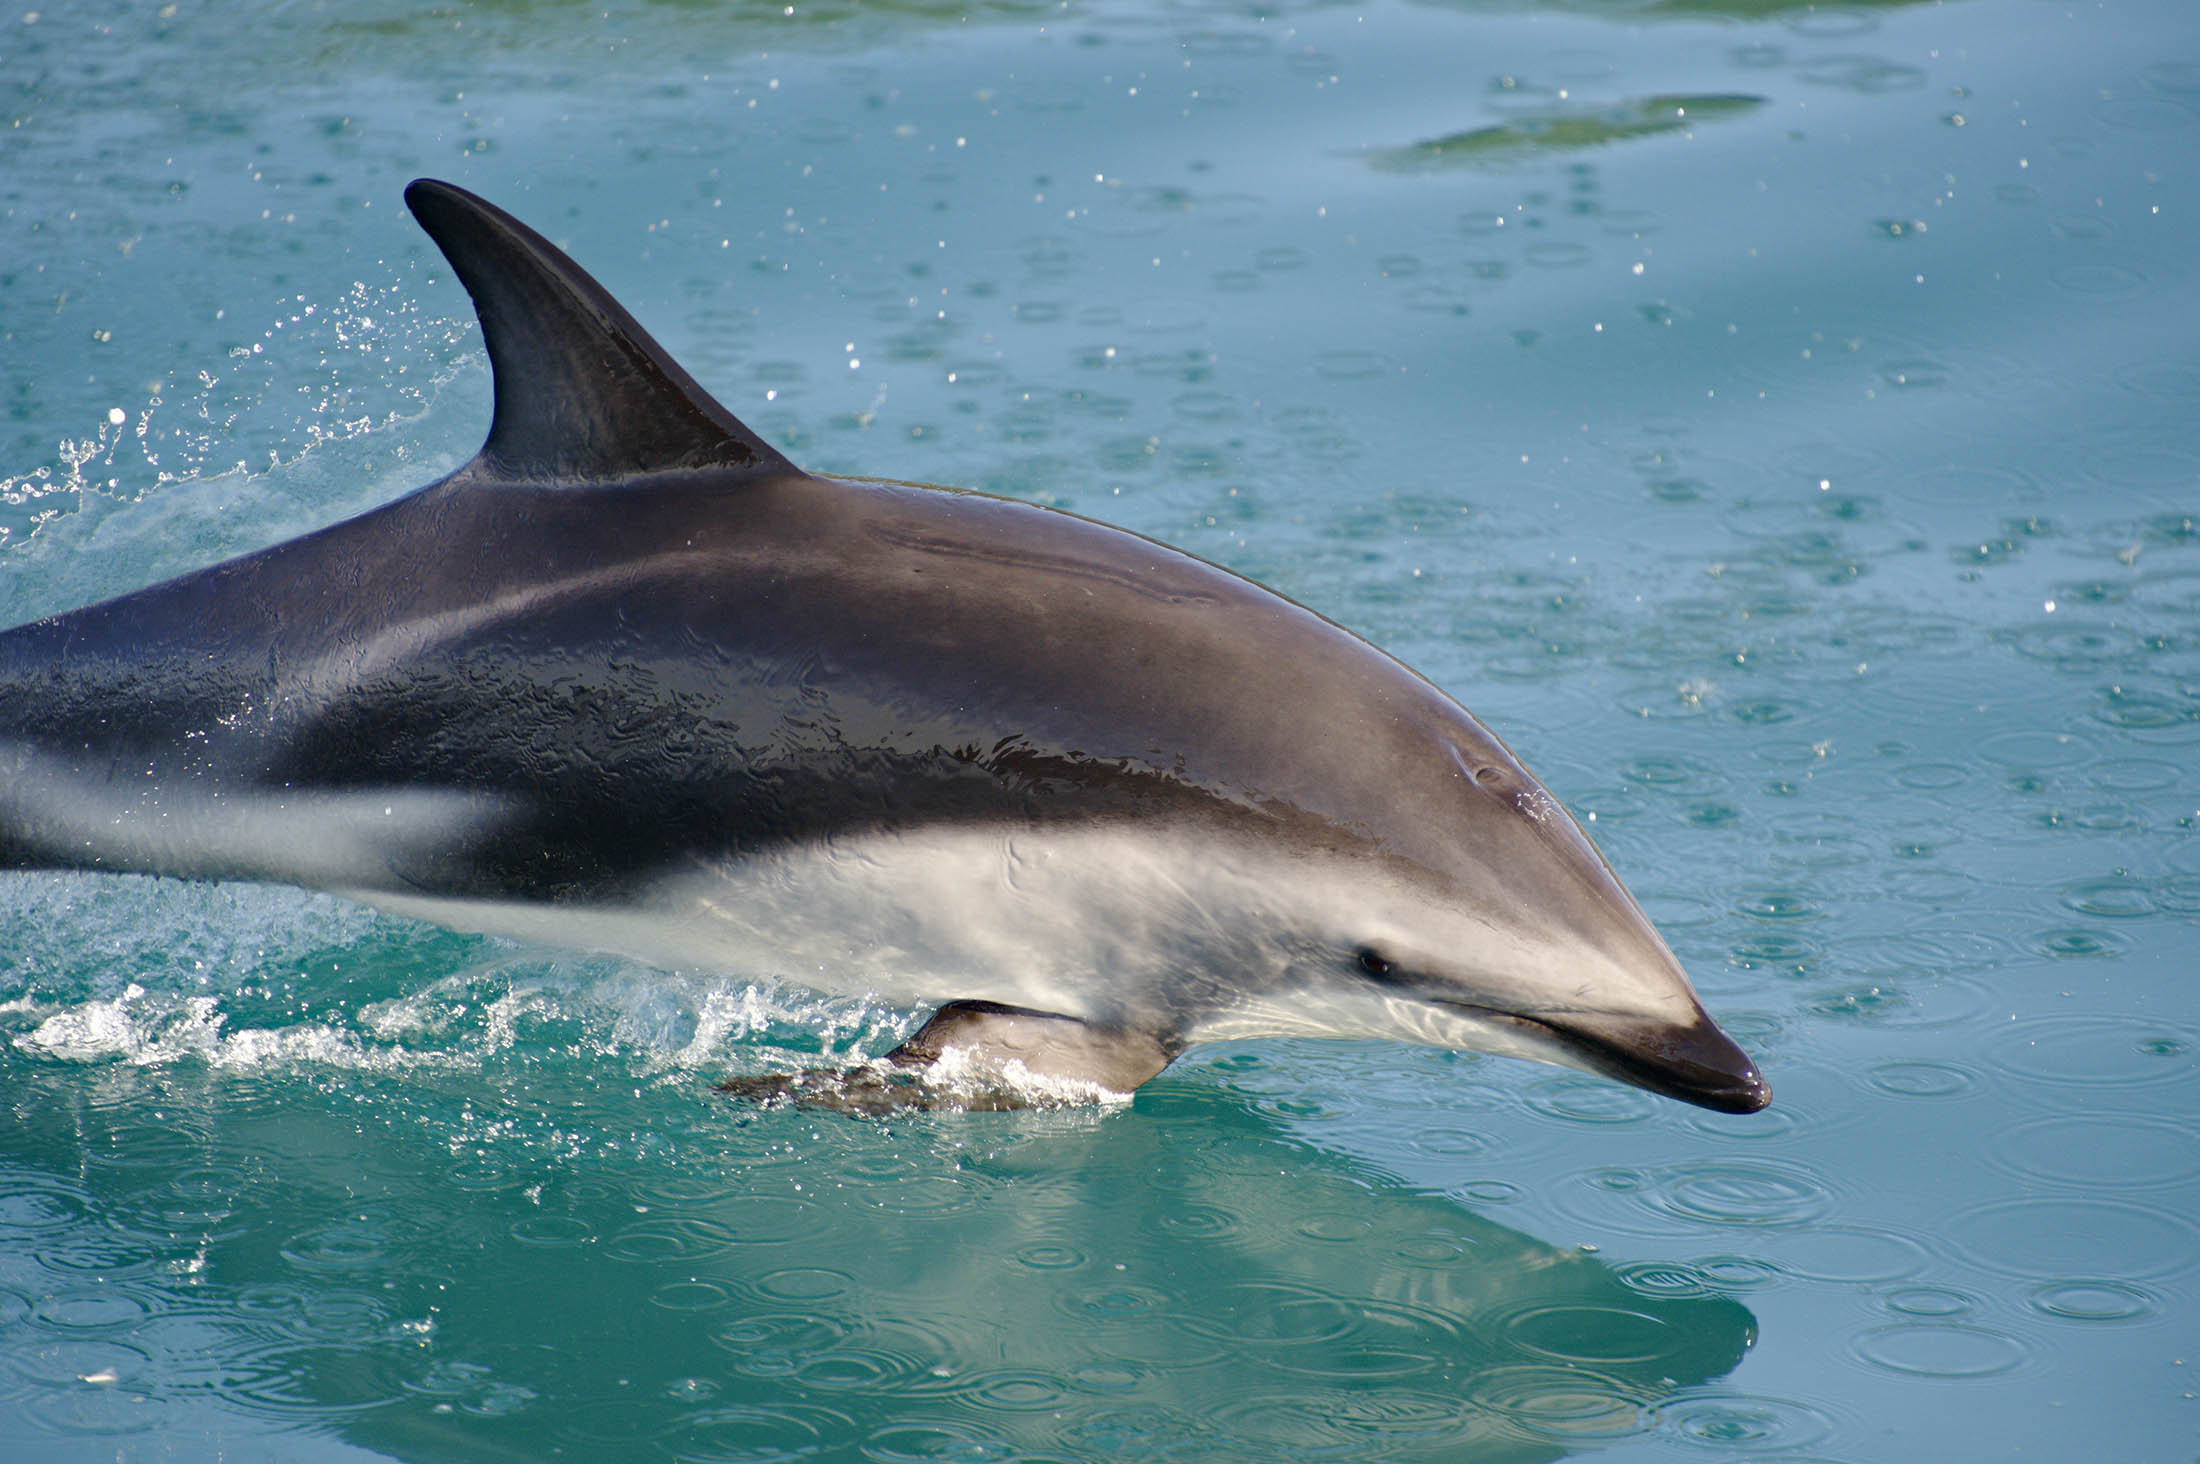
(690, 666)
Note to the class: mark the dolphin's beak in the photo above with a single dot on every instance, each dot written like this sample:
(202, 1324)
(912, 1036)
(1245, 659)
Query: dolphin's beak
(1696, 1063)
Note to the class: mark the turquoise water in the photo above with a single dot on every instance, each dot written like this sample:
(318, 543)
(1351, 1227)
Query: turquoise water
(1780, 422)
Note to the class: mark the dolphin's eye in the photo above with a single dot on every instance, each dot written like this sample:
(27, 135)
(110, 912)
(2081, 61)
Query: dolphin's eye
(1373, 964)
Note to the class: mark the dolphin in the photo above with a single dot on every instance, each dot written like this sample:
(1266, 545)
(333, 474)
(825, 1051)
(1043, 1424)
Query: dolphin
(631, 681)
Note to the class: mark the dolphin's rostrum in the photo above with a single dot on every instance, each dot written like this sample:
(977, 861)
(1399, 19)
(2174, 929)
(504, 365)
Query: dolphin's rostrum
(630, 680)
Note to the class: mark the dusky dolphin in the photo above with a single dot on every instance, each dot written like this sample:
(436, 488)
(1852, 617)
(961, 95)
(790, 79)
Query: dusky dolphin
(629, 680)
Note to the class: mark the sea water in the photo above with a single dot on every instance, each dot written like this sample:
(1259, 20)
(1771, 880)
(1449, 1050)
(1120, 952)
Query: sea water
(1781, 422)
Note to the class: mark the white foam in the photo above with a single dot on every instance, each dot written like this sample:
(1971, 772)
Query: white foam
(959, 1071)
(146, 1029)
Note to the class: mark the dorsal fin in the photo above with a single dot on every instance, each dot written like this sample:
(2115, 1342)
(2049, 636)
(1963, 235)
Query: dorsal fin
(582, 392)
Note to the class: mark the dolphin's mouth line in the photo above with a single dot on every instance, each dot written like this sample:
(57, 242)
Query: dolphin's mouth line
(1697, 1064)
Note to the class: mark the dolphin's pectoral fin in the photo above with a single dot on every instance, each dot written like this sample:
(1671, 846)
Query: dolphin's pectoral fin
(1043, 1044)
(996, 1057)
(872, 1090)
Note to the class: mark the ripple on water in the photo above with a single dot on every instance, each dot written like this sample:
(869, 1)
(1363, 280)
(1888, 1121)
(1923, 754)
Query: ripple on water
(2179, 892)
(1662, 1280)
(1045, 1257)
(1931, 949)
(552, 1231)
(1953, 1350)
(163, 1146)
(1397, 1414)
(1112, 1304)
(1301, 1425)
(2133, 775)
(1742, 1422)
(2082, 648)
(775, 1344)
(67, 1362)
(804, 1284)
(766, 1219)
(930, 1443)
(1930, 1301)
(1484, 1192)
(2062, 1237)
(354, 1244)
(928, 1195)
(1450, 1143)
(669, 1238)
(754, 1433)
(338, 1316)
(1011, 1390)
(2034, 749)
(1746, 1194)
(1932, 777)
(2102, 278)
(1909, 1003)
(1586, 1100)
(317, 1381)
(29, 1208)
(92, 1309)
(1313, 1334)
(1773, 1126)
(2098, 1150)
(1728, 1273)
(1432, 1251)
(1779, 905)
(688, 1189)
(1922, 1079)
(1272, 1314)
(1674, 774)
(2078, 942)
(93, 1410)
(1591, 1336)
(2174, 592)
(2111, 897)
(616, 1421)
(883, 1353)
(2093, 1301)
(1570, 1405)
(2156, 718)
(1848, 1254)
(1333, 1227)
(2093, 1051)
(1681, 912)
(690, 1296)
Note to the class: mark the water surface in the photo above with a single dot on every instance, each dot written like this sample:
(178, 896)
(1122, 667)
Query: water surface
(1777, 421)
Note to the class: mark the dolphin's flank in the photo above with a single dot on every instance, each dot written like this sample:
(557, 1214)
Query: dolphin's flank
(630, 680)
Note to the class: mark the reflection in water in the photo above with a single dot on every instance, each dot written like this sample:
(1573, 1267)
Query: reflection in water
(450, 1273)
(1562, 129)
